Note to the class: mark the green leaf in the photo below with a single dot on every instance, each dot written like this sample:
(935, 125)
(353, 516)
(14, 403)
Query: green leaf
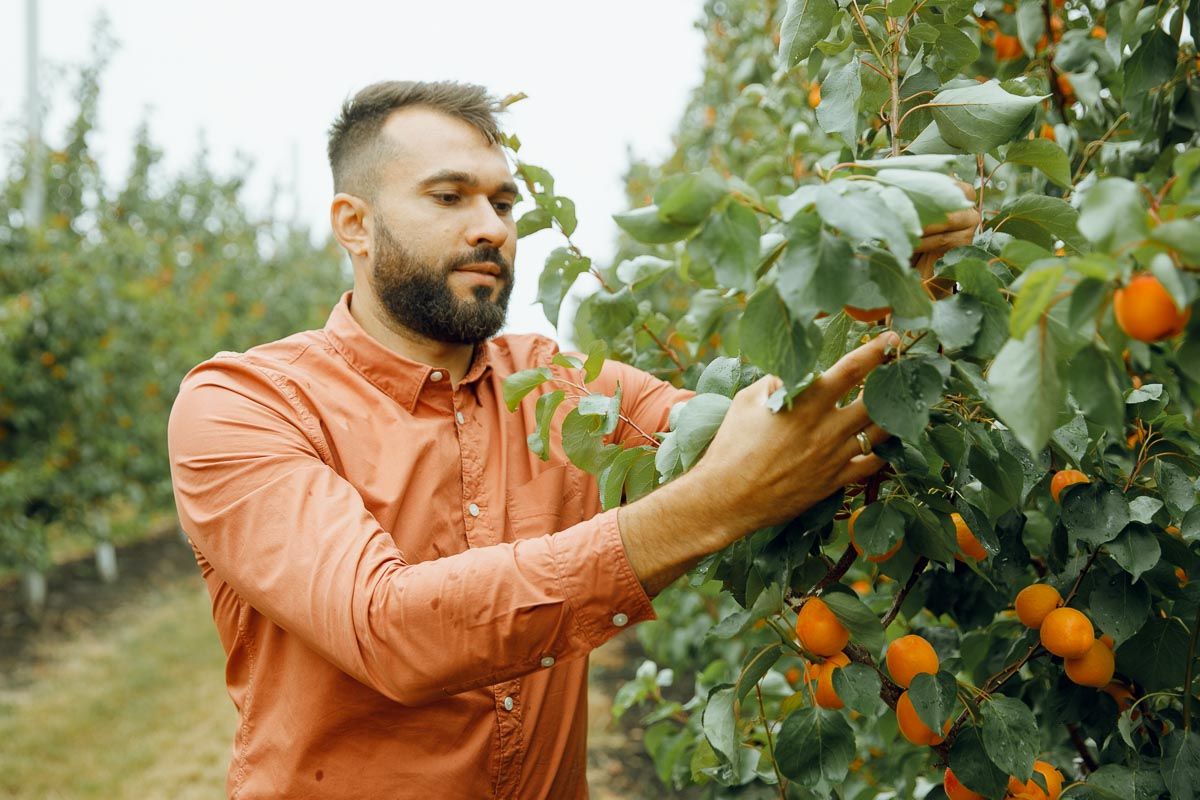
(811, 273)
(1025, 389)
(1037, 288)
(772, 341)
(866, 212)
(860, 620)
(805, 23)
(1031, 24)
(698, 423)
(609, 408)
(899, 396)
(641, 271)
(558, 276)
(1073, 438)
(756, 665)
(584, 444)
(1094, 512)
(768, 603)
(981, 117)
(721, 376)
(1094, 387)
(612, 478)
(815, 743)
(1182, 236)
(1151, 656)
(611, 313)
(956, 320)
(534, 220)
(954, 51)
(838, 112)
(521, 383)
(901, 286)
(973, 768)
(1000, 473)
(934, 698)
(642, 477)
(547, 404)
(1136, 549)
(1044, 155)
(878, 527)
(1118, 606)
(595, 360)
(1008, 730)
(719, 721)
(729, 242)
(1113, 214)
(1181, 764)
(923, 162)
(933, 194)
(1039, 219)
(1115, 782)
(1176, 488)
(688, 199)
(858, 687)
(645, 226)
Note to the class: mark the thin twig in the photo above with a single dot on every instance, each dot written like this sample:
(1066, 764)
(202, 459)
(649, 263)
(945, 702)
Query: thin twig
(762, 715)
(898, 601)
(1089, 763)
(662, 346)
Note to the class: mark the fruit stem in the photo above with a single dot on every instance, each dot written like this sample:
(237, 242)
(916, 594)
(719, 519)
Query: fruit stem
(1189, 674)
(917, 569)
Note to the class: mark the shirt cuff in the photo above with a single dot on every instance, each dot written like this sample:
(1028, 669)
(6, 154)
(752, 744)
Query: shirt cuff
(598, 580)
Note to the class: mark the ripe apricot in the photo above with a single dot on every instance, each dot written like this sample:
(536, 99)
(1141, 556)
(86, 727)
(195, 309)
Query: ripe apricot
(1030, 788)
(1099, 33)
(1064, 478)
(814, 94)
(1108, 642)
(826, 696)
(819, 630)
(911, 726)
(861, 587)
(1122, 696)
(875, 559)
(1146, 311)
(1067, 633)
(1094, 668)
(1047, 132)
(908, 657)
(955, 790)
(968, 545)
(1034, 602)
(867, 314)
(1174, 531)
(1007, 47)
(793, 675)
(1065, 88)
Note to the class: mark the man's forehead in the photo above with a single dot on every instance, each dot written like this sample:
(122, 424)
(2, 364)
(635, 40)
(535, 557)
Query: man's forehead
(422, 143)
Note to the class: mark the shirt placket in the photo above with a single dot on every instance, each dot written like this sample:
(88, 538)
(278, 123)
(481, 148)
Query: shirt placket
(480, 530)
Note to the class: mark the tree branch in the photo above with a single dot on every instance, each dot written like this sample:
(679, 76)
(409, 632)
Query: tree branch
(918, 568)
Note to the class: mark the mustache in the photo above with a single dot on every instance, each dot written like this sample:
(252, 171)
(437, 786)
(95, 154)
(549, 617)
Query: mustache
(483, 255)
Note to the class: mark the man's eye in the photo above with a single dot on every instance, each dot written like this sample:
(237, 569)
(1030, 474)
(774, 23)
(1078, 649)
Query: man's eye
(503, 207)
(446, 197)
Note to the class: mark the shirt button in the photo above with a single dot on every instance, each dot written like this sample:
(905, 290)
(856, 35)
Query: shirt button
(548, 661)
(620, 620)
(473, 509)
(458, 415)
(508, 704)
(436, 376)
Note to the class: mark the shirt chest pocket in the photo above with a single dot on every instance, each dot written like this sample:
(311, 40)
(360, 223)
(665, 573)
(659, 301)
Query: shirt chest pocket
(548, 503)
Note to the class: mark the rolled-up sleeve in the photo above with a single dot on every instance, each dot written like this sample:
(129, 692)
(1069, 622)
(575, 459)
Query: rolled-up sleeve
(294, 539)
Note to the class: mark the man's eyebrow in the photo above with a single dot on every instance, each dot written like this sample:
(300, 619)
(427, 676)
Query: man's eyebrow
(464, 179)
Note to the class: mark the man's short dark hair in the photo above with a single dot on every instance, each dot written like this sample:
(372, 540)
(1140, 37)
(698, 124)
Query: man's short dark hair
(356, 149)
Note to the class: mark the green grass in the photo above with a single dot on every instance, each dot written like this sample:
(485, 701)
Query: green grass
(134, 708)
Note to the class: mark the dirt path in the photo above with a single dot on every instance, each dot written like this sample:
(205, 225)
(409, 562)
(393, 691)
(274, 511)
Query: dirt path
(136, 666)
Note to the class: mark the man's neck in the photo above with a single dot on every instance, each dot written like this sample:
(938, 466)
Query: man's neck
(454, 358)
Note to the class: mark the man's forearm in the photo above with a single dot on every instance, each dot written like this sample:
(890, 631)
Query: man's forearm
(667, 532)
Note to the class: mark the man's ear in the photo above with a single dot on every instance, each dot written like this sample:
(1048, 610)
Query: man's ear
(348, 218)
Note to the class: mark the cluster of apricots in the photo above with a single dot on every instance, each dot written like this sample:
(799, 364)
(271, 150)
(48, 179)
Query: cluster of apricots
(969, 545)
(1017, 790)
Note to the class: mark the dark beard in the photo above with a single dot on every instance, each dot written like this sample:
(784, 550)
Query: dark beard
(418, 296)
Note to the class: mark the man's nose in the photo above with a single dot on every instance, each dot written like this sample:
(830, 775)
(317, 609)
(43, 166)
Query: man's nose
(486, 225)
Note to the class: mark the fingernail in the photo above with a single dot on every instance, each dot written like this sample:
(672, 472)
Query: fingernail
(891, 340)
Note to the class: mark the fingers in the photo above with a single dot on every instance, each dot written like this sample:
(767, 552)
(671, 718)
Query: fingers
(853, 417)
(851, 449)
(852, 368)
(967, 189)
(860, 468)
(963, 219)
(941, 242)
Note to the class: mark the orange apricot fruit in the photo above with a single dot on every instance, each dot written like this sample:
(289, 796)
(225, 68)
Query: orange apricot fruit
(819, 630)
(1094, 668)
(1034, 602)
(955, 790)
(968, 545)
(911, 726)
(908, 657)
(1067, 633)
(867, 314)
(1064, 478)
(826, 696)
(1146, 311)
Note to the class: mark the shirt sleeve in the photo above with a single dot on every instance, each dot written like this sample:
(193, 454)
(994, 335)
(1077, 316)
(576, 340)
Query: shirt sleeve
(294, 540)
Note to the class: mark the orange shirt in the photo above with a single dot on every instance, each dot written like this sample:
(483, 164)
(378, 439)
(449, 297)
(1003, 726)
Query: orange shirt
(405, 593)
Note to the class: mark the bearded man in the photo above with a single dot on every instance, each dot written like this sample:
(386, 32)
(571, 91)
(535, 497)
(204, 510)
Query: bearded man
(406, 595)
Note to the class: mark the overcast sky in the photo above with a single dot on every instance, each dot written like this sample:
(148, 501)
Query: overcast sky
(266, 79)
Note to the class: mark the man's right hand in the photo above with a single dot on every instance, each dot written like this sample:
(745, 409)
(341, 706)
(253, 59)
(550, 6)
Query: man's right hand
(770, 467)
(761, 468)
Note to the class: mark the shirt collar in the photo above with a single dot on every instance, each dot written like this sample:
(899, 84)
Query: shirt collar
(400, 378)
